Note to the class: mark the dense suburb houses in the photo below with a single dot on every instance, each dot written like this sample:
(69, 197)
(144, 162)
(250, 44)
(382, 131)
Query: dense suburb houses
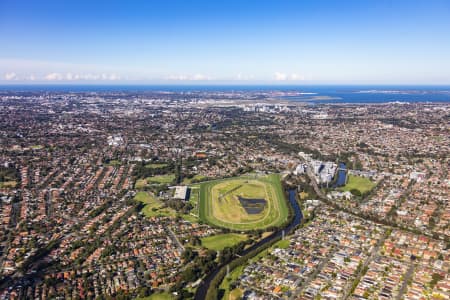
(80, 174)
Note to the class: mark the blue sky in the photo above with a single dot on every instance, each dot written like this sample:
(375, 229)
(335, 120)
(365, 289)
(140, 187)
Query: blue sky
(348, 42)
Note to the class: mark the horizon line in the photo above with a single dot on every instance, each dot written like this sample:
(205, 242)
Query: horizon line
(217, 83)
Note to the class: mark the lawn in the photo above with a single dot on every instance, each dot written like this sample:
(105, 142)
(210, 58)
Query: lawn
(156, 165)
(220, 241)
(8, 184)
(140, 184)
(190, 218)
(282, 244)
(161, 179)
(196, 178)
(220, 204)
(158, 296)
(226, 205)
(143, 197)
(362, 184)
(36, 147)
(193, 199)
(235, 294)
(225, 285)
(153, 206)
(194, 195)
(158, 179)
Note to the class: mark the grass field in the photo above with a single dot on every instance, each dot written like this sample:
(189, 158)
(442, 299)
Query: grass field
(194, 195)
(8, 184)
(140, 184)
(193, 199)
(359, 183)
(161, 178)
(156, 165)
(220, 206)
(158, 296)
(153, 207)
(225, 285)
(220, 241)
(196, 178)
(36, 147)
(190, 218)
(143, 197)
(158, 179)
(282, 244)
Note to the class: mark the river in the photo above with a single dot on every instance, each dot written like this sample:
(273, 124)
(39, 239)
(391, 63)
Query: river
(298, 216)
(342, 175)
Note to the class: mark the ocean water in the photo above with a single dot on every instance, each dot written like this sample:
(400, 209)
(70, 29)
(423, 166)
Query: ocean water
(374, 94)
(310, 94)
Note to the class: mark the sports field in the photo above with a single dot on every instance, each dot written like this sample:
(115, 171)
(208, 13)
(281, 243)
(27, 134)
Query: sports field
(243, 203)
(359, 183)
(157, 179)
(220, 241)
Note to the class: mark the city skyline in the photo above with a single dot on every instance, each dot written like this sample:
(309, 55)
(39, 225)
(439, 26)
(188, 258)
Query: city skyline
(175, 42)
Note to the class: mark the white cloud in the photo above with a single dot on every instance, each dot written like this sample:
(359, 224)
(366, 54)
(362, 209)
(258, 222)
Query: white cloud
(296, 77)
(11, 76)
(90, 76)
(244, 77)
(114, 77)
(80, 77)
(280, 76)
(200, 77)
(177, 77)
(54, 76)
(283, 76)
(182, 77)
(59, 71)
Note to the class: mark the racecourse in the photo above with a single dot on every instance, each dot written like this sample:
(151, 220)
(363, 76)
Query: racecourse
(220, 205)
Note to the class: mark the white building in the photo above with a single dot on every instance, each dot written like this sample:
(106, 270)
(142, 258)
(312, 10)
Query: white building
(115, 140)
(323, 171)
(180, 192)
(301, 169)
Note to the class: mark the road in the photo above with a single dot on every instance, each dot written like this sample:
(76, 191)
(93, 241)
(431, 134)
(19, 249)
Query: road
(373, 255)
(313, 274)
(406, 278)
(174, 237)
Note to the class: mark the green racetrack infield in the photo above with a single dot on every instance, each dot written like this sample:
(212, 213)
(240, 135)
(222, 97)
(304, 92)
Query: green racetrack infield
(274, 214)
